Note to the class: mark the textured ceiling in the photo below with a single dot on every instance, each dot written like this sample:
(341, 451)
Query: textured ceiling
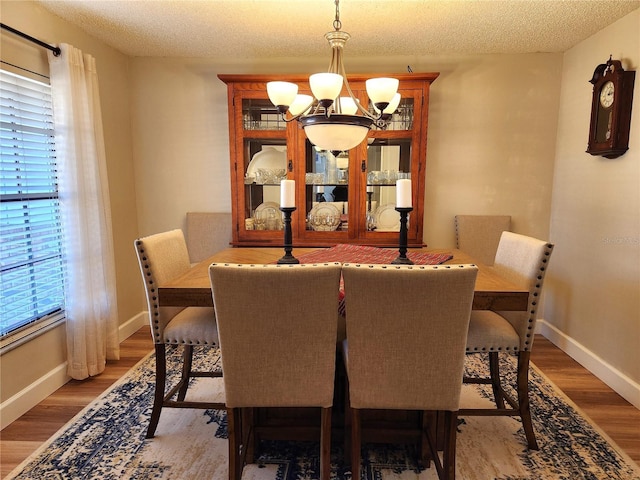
(295, 28)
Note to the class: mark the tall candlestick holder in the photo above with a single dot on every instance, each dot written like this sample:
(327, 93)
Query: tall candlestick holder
(369, 195)
(288, 259)
(402, 248)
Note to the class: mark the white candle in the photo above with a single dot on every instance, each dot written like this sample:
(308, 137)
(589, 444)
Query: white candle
(369, 188)
(287, 193)
(403, 193)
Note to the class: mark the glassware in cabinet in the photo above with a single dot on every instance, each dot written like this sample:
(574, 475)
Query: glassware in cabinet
(326, 199)
(264, 166)
(388, 160)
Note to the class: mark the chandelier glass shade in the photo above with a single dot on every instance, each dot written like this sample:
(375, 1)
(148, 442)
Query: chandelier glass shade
(332, 122)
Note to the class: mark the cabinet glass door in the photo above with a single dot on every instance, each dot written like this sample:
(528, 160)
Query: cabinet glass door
(260, 114)
(387, 162)
(264, 163)
(326, 190)
(390, 157)
(265, 168)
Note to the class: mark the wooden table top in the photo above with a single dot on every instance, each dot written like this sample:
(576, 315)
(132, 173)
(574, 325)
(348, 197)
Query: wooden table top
(193, 289)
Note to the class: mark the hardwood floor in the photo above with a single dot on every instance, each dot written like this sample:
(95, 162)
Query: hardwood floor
(616, 417)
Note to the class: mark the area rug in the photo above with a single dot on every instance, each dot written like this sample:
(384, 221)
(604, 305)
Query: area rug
(107, 441)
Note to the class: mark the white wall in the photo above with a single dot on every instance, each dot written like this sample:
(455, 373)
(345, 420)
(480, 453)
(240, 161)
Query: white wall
(492, 129)
(592, 301)
(181, 138)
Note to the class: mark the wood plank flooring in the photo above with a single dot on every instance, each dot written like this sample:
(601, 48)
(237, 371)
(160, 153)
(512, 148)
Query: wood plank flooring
(616, 417)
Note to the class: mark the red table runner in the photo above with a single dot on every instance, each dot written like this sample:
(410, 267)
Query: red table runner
(346, 253)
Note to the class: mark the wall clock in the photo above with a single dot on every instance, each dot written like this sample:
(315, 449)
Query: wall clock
(610, 109)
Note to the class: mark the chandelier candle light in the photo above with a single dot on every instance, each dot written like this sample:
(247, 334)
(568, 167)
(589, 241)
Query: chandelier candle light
(329, 120)
(288, 206)
(403, 206)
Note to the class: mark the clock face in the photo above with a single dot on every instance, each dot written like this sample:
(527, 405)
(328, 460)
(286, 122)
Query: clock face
(606, 94)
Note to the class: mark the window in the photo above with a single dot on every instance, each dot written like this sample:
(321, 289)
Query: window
(31, 266)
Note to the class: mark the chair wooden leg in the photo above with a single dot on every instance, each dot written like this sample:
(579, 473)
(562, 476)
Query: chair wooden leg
(440, 434)
(356, 443)
(347, 425)
(325, 444)
(249, 438)
(235, 440)
(429, 427)
(523, 399)
(449, 453)
(187, 360)
(158, 399)
(494, 369)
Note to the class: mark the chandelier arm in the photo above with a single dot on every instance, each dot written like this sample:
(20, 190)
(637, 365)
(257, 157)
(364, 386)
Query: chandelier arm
(361, 109)
(334, 67)
(283, 117)
(336, 61)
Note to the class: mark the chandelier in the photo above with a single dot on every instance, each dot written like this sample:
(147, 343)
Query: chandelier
(332, 122)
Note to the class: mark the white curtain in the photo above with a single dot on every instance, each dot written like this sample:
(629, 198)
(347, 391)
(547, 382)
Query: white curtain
(90, 290)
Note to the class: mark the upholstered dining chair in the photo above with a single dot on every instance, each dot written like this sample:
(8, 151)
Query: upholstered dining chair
(405, 347)
(479, 235)
(277, 327)
(523, 260)
(162, 257)
(207, 233)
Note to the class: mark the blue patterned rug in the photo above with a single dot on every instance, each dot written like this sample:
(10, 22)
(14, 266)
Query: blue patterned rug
(107, 441)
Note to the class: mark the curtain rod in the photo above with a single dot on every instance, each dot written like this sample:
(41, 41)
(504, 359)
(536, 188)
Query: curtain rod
(56, 51)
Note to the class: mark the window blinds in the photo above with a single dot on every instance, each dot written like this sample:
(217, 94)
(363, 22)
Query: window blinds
(31, 266)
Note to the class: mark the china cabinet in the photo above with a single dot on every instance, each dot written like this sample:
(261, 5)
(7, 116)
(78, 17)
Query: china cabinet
(345, 198)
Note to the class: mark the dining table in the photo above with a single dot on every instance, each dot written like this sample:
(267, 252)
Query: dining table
(193, 289)
(492, 292)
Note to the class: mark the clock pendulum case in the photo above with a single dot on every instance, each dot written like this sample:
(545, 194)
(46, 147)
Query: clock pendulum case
(610, 109)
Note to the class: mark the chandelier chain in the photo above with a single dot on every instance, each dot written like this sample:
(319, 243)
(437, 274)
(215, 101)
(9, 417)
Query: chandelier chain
(337, 24)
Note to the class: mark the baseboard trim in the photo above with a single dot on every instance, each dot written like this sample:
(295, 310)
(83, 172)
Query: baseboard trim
(20, 403)
(23, 401)
(132, 325)
(626, 387)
